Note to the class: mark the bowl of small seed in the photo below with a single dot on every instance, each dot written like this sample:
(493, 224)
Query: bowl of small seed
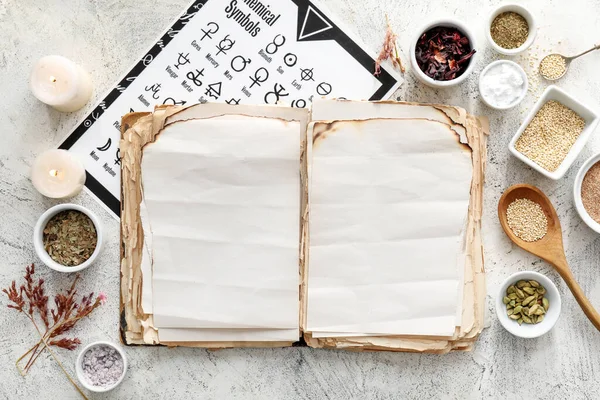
(101, 366)
(554, 133)
(68, 238)
(528, 304)
(511, 29)
(586, 192)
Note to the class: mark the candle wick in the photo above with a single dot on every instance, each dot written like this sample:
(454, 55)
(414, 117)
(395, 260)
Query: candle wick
(52, 79)
(53, 172)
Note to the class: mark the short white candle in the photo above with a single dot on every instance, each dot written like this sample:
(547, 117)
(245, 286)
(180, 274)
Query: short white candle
(58, 174)
(60, 83)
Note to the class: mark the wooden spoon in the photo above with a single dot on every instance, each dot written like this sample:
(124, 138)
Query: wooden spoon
(550, 247)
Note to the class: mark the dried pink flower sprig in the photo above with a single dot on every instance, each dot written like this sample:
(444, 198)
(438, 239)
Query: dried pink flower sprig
(389, 51)
(60, 320)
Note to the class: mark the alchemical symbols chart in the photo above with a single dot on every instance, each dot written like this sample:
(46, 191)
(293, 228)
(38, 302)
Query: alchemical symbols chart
(234, 52)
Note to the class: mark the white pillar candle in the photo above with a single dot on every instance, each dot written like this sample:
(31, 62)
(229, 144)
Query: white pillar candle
(58, 174)
(60, 83)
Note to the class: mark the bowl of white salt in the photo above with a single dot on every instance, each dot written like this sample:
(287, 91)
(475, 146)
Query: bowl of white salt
(101, 366)
(503, 84)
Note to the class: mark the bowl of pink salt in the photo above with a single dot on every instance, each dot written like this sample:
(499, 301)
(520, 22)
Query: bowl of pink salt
(101, 366)
(586, 192)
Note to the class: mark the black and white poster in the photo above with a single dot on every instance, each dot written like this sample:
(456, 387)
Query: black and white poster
(232, 51)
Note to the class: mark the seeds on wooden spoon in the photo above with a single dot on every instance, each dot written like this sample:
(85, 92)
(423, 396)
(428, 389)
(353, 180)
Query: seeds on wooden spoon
(526, 219)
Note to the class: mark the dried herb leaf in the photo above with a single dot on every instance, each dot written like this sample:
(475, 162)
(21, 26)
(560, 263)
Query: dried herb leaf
(70, 238)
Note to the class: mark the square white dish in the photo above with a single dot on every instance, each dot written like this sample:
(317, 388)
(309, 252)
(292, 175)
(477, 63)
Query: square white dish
(591, 121)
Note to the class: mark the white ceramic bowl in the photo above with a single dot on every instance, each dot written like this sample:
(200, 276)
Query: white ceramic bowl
(38, 237)
(525, 13)
(591, 121)
(524, 90)
(529, 331)
(453, 23)
(577, 192)
(81, 376)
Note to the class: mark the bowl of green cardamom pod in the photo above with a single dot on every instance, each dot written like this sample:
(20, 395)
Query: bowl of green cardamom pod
(528, 304)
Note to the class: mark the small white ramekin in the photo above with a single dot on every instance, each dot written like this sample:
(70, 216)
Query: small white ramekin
(522, 11)
(591, 121)
(577, 192)
(448, 22)
(521, 97)
(38, 238)
(81, 375)
(529, 331)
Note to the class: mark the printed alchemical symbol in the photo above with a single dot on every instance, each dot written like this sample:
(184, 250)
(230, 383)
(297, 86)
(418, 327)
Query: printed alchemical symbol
(154, 89)
(214, 90)
(277, 42)
(195, 77)
(212, 28)
(118, 157)
(106, 146)
(238, 64)
(300, 103)
(260, 76)
(233, 101)
(290, 59)
(324, 88)
(183, 59)
(275, 95)
(225, 45)
(173, 102)
(306, 74)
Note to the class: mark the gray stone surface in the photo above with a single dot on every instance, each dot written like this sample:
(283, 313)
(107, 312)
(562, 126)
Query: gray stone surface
(108, 36)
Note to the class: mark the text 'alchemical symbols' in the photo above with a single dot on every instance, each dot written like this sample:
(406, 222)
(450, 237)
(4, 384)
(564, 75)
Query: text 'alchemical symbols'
(171, 101)
(195, 77)
(290, 59)
(277, 42)
(183, 59)
(300, 103)
(260, 76)
(154, 89)
(306, 74)
(225, 45)
(233, 101)
(324, 88)
(238, 64)
(211, 29)
(274, 96)
(118, 157)
(214, 90)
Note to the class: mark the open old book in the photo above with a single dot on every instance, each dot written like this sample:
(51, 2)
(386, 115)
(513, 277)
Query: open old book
(354, 226)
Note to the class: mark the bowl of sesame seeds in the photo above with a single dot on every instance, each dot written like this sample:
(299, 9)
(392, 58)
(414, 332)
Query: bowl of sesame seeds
(554, 133)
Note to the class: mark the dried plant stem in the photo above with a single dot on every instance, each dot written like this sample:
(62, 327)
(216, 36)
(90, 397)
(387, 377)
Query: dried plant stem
(47, 346)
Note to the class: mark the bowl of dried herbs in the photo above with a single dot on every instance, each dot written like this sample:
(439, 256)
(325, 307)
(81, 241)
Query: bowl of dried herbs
(443, 53)
(68, 237)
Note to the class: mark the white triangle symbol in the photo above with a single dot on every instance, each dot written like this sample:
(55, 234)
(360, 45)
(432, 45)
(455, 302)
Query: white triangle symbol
(304, 36)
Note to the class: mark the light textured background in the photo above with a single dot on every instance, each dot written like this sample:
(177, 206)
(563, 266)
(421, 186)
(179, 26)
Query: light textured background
(108, 36)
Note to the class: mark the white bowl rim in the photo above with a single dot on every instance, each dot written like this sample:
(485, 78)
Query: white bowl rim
(452, 22)
(575, 149)
(521, 97)
(581, 210)
(525, 13)
(546, 325)
(38, 243)
(79, 370)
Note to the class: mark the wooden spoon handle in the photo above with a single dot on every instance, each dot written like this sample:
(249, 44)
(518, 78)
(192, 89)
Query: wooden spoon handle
(583, 301)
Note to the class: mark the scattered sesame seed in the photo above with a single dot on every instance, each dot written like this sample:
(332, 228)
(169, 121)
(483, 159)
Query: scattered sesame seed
(550, 135)
(526, 219)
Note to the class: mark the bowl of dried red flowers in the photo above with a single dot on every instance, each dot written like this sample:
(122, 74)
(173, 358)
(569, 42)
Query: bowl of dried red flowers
(443, 53)
(68, 238)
